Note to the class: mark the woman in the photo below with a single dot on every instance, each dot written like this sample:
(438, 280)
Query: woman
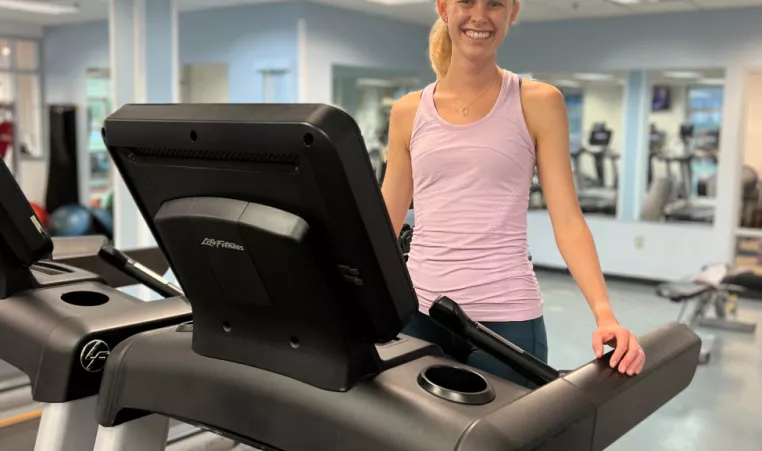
(465, 148)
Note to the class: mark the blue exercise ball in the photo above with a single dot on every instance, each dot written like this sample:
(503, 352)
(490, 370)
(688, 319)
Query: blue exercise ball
(103, 222)
(70, 220)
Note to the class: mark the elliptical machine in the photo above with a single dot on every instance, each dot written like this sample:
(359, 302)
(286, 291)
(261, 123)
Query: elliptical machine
(299, 293)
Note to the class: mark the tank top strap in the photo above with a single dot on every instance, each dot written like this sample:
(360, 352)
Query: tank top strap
(513, 109)
(426, 109)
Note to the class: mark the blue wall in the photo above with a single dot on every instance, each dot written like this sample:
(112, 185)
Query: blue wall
(340, 37)
(699, 39)
(248, 39)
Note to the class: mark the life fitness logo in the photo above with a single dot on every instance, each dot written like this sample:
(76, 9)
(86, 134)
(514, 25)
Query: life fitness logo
(93, 356)
(219, 244)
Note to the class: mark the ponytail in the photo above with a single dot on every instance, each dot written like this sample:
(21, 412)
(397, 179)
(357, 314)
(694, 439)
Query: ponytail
(440, 48)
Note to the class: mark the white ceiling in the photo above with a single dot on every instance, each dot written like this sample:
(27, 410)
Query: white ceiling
(421, 13)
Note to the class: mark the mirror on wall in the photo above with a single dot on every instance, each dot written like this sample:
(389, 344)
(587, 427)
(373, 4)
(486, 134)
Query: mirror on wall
(204, 83)
(595, 109)
(99, 106)
(685, 120)
(367, 95)
(750, 211)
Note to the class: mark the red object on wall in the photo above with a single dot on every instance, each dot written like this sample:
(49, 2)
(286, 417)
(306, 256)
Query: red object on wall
(6, 137)
(42, 215)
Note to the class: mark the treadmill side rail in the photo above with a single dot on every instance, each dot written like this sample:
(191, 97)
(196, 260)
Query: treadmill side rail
(62, 335)
(154, 372)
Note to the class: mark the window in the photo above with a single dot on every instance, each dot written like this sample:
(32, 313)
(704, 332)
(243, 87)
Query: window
(705, 107)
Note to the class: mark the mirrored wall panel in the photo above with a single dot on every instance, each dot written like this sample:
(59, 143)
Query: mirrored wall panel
(595, 108)
(685, 120)
(368, 95)
(99, 107)
(750, 214)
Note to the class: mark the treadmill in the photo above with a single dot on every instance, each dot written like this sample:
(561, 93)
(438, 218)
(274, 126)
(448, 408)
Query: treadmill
(272, 220)
(58, 324)
(687, 207)
(596, 197)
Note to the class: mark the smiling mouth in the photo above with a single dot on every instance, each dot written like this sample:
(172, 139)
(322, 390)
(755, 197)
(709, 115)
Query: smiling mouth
(478, 35)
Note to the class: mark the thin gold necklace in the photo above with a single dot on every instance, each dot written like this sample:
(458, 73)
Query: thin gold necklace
(464, 110)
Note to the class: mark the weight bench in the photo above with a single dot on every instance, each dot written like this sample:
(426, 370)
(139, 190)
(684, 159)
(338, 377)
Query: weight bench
(682, 291)
(707, 296)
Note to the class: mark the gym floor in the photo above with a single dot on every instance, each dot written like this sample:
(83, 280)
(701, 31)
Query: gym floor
(722, 407)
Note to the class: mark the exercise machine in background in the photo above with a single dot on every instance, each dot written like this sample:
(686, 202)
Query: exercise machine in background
(299, 292)
(61, 314)
(58, 324)
(677, 197)
(594, 195)
(714, 294)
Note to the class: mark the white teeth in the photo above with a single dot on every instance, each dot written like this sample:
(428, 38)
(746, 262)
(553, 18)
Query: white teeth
(478, 34)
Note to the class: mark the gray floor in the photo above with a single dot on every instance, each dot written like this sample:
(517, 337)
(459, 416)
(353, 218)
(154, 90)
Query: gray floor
(722, 409)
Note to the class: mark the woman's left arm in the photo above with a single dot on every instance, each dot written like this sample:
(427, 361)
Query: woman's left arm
(546, 118)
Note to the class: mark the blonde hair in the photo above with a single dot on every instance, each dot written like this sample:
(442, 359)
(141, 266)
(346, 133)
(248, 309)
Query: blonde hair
(440, 48)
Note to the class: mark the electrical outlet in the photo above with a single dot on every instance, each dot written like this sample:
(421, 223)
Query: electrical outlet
(639, 242)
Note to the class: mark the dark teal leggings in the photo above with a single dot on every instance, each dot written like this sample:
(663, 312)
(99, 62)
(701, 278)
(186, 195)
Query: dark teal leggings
(528, 335)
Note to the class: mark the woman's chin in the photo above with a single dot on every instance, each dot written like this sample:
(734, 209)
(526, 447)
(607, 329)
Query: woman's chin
(477, 55)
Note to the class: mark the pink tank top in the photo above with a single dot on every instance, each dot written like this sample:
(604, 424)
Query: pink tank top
(471, 194)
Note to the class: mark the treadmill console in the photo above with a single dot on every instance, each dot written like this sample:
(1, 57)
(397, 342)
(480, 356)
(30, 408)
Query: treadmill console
(600, 136)
(23, 239)
(283, 248)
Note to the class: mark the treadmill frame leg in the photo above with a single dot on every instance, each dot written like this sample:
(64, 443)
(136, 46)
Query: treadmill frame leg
(68, 426)
(144, 434)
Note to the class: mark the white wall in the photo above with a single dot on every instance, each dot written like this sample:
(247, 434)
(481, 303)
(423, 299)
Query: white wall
(753, 147)
(204, 83)
(654, 42)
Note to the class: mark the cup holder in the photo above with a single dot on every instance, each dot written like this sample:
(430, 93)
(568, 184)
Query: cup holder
(84, 298)
(456, 384)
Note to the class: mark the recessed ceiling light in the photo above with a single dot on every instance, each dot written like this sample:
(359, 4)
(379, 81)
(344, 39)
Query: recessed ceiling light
(38, 7)
(712, 81)
(594, 77)
(685, 75)
(568, 83)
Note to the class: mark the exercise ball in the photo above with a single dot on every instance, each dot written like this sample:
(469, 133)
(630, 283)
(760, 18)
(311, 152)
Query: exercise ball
(42, 215)
(103, 222)
(70, 220)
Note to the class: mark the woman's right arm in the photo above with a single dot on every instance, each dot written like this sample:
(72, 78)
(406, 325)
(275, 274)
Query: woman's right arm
(398, 180)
